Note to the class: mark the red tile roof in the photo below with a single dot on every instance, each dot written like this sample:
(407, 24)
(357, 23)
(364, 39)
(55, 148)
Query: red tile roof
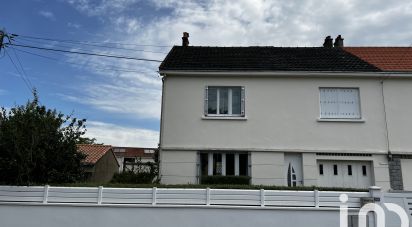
(133, 152)
(93, 152)
(397, 59)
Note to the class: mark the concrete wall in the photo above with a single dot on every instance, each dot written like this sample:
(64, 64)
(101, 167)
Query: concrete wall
(281, 115)
(105, 168)
(107, 216)
(406, 165)
(178, 167)
(267, 168)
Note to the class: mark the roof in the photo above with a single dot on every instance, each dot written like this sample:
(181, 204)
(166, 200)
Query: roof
(133, 152)
(93, 152)
(264, 59)
(397, 59)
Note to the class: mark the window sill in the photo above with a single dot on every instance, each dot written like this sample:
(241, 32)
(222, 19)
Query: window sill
(224, 118)
(361, 120)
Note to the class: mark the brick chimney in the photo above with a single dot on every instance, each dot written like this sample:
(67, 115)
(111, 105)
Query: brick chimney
(185, 39)
(328, 42)
(338, 41)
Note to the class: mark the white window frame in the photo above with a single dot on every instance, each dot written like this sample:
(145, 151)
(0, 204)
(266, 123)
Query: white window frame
(341, 118)
(230, 99)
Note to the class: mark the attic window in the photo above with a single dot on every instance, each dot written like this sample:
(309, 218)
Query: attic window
(224, 101)
(339, 103)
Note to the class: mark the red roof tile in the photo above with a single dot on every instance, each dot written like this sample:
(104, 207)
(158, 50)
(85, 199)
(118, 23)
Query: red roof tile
(397, 59)
(93, 152)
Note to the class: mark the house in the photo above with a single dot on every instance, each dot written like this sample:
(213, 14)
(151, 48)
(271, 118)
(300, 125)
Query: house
(329, 116)
(129, 157)
(100, 163)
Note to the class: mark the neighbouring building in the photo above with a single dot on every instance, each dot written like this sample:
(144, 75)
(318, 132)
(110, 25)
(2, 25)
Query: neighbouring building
(129, 157)
(100, 163)
(330, 116)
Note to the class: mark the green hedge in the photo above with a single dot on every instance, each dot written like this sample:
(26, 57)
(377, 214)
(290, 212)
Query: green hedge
(129, 177)
(234, 180)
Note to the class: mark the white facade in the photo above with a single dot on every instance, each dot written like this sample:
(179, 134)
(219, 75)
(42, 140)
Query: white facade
(283, 117)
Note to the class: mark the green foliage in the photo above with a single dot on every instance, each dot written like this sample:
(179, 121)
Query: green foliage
(140, 173)
(233, 180)
(129, 177)
(38, 145)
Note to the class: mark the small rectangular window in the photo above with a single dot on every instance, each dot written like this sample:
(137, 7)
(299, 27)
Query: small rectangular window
(224, 101)
(339, 103)
(364, 173)
(350, 170)
(335, 169)
(321, 169)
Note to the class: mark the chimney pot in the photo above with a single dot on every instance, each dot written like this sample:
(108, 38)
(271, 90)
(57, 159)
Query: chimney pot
(328, 42)
(338, 41)
(185, 39)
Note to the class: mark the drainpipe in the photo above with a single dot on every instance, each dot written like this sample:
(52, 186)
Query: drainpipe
(385, 118)
(161, 127)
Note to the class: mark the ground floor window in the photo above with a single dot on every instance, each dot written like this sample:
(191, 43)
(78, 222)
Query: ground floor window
(224, 164)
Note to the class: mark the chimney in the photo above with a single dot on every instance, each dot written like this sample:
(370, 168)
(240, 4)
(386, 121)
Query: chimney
(185, 39)
(338, 41)
(328, 42)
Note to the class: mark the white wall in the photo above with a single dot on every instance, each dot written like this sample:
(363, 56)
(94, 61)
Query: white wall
(281, 114)
(267, 168)
(74, 216)
(406, 165)
(178, 167)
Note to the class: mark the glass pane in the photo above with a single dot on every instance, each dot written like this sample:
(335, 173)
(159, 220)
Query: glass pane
(230, 164)
(223, 101)
(243, 164)
(236, 100)
(212, 100)
(204, 164)
(217, 164)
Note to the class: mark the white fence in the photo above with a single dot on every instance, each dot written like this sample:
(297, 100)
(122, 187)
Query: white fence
(173, 196)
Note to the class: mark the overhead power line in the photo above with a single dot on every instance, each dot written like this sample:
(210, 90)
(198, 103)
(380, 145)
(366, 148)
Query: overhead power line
(31, 89)
(89, 42)
(85, 44)
(85, 53)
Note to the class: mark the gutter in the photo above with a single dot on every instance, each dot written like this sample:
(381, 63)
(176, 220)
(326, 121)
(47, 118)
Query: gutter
(296, 74)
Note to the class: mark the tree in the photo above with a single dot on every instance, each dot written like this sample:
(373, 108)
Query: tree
(38, 145)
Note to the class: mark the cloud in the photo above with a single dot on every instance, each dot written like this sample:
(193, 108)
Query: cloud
(74, 25)
(121, 136)
(2, 91)
(47, 14)
(100, 7)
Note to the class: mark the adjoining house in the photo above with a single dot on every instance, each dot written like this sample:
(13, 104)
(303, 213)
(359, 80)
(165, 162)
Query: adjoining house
(130, 157)
(328, 116)
(100, 163)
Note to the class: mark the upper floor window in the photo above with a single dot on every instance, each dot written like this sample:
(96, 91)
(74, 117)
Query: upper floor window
(224, 101)
(340, 103)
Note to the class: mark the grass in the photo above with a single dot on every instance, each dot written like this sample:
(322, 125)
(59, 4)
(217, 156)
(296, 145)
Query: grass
(214, 186)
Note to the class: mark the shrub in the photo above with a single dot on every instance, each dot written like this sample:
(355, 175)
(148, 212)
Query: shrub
(234, 180)
(129, 177)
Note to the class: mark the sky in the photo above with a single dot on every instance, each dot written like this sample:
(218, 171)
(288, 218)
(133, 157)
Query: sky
(121, 98)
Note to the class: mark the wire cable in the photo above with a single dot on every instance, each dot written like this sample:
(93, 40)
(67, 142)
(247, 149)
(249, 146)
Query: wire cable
(19, 73)
(85, 53)
(109, 68)
(94, 45)
(22, 69)
(90, 42)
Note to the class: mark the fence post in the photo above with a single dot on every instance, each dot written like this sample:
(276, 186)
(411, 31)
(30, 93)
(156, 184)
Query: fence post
(154, 191)
(100, 195)
(376, 193)
(46, 193)
(316, 192)
(262, 197)
(207, 196)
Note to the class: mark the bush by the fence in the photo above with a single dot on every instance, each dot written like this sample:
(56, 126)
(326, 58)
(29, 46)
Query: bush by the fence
(129, 177)
(225, 180)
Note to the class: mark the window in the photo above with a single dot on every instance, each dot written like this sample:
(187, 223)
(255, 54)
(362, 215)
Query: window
(335, 169)
(321, 169)
(364, 173)
(224, 101)
(225, 164)
(339, 103)
(350, 170)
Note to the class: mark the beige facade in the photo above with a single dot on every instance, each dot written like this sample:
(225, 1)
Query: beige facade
(282, 116)
(104, 169)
